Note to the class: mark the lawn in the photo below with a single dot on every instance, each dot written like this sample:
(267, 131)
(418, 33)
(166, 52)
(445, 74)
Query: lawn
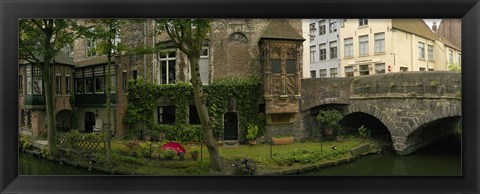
(280, 157)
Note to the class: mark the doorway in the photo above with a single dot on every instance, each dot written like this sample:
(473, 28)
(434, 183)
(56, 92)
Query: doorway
(230, 125)
(89, 121)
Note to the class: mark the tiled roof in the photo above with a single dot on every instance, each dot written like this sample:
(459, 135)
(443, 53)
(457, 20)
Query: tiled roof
(419, 28)
(92, 61)
(61, 58)
(281, 29)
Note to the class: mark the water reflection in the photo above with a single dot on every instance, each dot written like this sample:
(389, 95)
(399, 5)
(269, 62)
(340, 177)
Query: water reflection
(29, 165)
(439, 159)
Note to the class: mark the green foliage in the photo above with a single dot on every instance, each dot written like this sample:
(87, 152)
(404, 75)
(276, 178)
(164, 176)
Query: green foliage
(169, 154)
(252, 132)
(146, 149)
(363, 131)
(142, 100)
(434, 83)
(330, 119)
(25, 142)
(454, 67)
(45, 152)
(126, 159)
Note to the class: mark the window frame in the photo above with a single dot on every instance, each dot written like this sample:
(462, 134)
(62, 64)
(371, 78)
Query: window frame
(379, 43)
(333, 50)
(58, 84)
(362, 22)
(348, 47)
(167, 59)
(322, 28)
(322, 52)
(363, 45)
(421, 50)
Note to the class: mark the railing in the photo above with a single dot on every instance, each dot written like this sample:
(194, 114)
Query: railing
(92, 143)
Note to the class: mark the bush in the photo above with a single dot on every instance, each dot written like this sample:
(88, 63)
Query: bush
(169, 154)
(329, 119)
(25, 142)
(252, 132)
(146, 149)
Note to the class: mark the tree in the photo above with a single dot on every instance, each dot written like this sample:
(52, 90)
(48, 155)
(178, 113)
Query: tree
(188, 35)
(106, 32)
(40, 40)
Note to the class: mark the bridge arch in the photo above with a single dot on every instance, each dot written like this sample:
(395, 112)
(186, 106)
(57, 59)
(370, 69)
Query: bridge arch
(378, 131)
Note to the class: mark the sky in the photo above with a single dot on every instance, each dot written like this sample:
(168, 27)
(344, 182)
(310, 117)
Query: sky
(430, 22)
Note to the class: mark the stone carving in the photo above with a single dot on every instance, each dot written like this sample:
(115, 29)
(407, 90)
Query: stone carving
(238, 37)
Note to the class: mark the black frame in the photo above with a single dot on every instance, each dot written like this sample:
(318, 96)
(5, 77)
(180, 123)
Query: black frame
(11, 11)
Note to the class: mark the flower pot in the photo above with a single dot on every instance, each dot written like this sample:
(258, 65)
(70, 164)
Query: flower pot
(282, 140)
(252, 142)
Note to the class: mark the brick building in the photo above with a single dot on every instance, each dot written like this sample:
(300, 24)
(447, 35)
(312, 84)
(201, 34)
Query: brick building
(235, 48)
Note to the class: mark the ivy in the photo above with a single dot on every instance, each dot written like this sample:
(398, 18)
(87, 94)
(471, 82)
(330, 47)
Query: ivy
(143, 97)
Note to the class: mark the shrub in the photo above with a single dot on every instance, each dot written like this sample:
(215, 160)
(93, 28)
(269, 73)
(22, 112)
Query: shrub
(330, 119)
(146, 149)
(169, 154)
(25, 143)
(45, 152)
(252, 132)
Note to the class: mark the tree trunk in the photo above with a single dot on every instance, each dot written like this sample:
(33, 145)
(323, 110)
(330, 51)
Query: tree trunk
(47, 82)
(200, 102)
(108, 81)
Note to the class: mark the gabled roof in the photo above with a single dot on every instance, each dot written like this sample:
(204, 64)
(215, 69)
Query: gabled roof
(446, 42)
(281, 29)
(414, 26)
(61, 58)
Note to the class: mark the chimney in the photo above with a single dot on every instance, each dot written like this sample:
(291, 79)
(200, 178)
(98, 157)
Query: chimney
(434, 27)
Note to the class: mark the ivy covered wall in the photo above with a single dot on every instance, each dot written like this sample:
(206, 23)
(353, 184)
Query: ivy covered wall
(143, 99)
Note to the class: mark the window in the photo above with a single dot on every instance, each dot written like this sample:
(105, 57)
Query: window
(99, 83)
(459, 59)
(333, 27)
(323, 52)
(124, 81)
(323, 73)
(333, 72)
(167, 67)
(363, 41)
(313, 52)
(430, 69)
(90, 45)
(166, 114)
(194, 119)
(29, 85)
(362, 22)
(380, 68)
(430, 53)
(313, 74)
(364, 70)
(333, 50)
(58, 84)
(79, 83)
(68, 84)
(291, 66)
(380, 42)
(89, 86)
(204, 53)
(37, 85)
(422, 69)
(321, 26)
(421, 50)
(403, 69)
(36, 70)
(134, 74)
(69, 50)
(20, 84)
(348, 42)
(349, 71)
(450, 56)
(276, 69)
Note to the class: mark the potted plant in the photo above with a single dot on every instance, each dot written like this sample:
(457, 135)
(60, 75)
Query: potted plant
(252, 132)
(329, 121)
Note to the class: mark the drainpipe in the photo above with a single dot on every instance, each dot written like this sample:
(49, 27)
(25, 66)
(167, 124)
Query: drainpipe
(145, 46)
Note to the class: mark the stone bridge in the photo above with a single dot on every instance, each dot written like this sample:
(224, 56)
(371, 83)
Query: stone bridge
(417, 108)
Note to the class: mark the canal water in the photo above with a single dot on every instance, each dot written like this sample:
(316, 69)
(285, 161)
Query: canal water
(442, 158)
(30, 165)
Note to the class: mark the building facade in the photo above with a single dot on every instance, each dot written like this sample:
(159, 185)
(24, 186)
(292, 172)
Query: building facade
(376, 46)
(270, 49)
(324, 47)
